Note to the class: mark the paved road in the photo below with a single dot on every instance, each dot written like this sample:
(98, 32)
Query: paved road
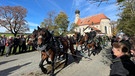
(27, 65)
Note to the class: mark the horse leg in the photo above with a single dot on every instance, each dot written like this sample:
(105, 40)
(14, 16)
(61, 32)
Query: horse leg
(76, 48)
(44, 57)
(44, 70)
(52, 56)
(73, 51)
(48, 62)
(66, 59)
(94, 50)
(90, 51)
(89, 54)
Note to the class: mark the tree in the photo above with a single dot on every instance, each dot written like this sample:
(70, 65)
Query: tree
(127, 17)
(49, 22)
(62, 22)
(101, 1)
(114, 29)
(73, 26)
(12, 18)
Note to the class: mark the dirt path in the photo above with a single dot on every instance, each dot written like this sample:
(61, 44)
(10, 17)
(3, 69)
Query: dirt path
(27, 65)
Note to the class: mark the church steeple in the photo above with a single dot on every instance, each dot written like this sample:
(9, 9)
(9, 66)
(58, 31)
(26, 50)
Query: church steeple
(77, 12)
(77, 15)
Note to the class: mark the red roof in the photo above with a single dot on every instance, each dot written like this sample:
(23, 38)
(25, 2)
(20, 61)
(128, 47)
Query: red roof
(94, 28)
(95, 19)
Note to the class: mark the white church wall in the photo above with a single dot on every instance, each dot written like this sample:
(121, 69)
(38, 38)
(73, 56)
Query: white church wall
(106, 23)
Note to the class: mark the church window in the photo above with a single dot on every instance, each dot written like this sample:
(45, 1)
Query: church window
(105, 30)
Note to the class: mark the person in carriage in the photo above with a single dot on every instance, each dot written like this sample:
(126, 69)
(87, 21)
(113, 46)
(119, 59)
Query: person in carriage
(92, 34)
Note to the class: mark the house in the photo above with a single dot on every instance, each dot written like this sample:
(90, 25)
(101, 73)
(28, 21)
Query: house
(99, 22)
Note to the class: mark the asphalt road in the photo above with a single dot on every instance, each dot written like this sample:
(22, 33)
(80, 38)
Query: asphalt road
(26, 64)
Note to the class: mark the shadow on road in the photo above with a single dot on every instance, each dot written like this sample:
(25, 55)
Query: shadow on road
(70, 61)
(60, 65)
(7, 61)
(8, 71)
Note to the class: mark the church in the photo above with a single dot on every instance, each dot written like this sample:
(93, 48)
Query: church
(99, 22)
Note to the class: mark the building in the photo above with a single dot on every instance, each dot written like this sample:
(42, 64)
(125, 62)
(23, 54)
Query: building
(100, 23)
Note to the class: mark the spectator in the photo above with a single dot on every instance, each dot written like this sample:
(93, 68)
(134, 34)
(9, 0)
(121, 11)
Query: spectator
(20, 43)
(113, 39)
(132, 41)
(28, 42)
(16, 44)
(2, 44)
(24, 44)
(9, 44)
(122, 65)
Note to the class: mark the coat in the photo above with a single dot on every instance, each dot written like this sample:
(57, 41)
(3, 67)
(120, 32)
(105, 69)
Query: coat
(122, 66)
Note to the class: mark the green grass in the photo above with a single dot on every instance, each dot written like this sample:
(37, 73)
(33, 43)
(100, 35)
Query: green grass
(9, 34)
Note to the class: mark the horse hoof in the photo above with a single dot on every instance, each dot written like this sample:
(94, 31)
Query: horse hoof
(44, 70)
(52, 75)
(77, 61)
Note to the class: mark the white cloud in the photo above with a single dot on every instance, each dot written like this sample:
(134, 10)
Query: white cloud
(32, 26)
(2, 29)
(31, 30)
(87, 9)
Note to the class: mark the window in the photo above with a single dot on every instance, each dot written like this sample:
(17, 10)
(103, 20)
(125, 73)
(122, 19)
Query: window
(105, 30)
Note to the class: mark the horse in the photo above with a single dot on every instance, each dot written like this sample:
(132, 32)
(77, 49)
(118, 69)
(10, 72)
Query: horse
(78, 40)
(86, 44)
(93, 44)
(51, 47)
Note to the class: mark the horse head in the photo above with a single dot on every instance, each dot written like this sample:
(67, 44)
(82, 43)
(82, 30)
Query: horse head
(43, 36)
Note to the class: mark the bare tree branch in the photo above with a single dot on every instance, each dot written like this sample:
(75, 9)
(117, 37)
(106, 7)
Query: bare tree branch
(12, 18)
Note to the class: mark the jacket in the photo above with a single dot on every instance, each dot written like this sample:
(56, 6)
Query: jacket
(122, 66)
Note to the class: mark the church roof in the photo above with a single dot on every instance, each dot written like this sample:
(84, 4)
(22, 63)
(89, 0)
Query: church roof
(95, 19)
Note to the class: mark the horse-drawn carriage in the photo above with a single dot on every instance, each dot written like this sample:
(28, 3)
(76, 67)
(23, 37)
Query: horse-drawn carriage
(55, 47)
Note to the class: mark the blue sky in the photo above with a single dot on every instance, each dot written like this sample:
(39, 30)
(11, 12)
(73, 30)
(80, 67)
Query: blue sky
(38, 9)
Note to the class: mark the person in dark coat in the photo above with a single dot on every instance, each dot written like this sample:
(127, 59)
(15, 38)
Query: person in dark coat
(122, 65)
(16, 44)
(113, 39)
(132, 41)
(92, 34)
(2, 44)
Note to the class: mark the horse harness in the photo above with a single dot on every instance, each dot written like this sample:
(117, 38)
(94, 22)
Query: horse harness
(52, 42)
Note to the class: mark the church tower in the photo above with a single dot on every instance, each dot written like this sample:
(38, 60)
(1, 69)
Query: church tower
(77, 15)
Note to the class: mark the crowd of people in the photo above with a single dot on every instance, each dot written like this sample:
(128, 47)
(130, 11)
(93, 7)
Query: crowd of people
(14, 45)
